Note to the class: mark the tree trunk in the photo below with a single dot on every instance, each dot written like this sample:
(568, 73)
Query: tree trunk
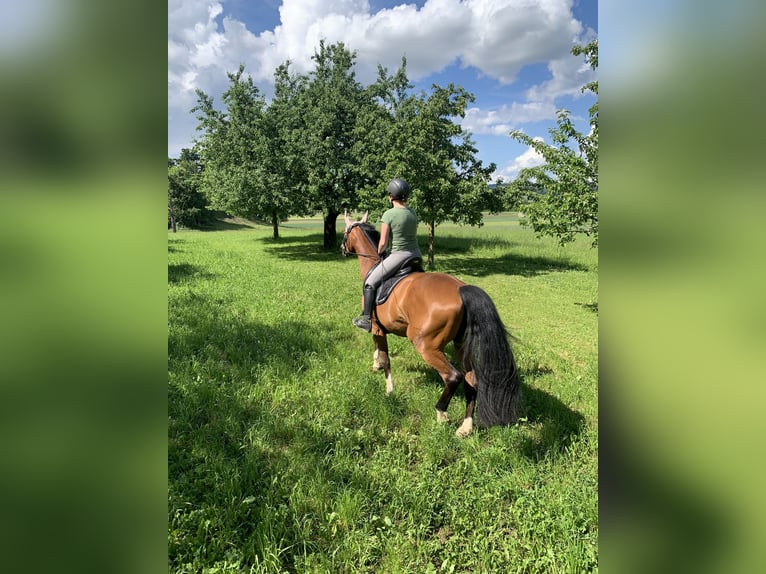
(431, 233)
(275, 224)
(173, 223)
(330, 233)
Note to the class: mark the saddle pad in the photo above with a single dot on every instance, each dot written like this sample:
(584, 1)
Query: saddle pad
(388, 285)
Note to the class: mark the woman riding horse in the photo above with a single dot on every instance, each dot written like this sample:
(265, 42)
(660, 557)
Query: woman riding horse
(400, 226)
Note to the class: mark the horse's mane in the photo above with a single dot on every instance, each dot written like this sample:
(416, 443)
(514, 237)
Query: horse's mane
(371, 232)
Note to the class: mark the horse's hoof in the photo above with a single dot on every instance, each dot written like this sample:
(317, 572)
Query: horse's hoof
(441, 416)
(465, 429)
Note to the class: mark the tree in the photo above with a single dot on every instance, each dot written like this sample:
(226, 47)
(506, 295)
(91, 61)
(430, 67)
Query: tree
(423, 144)
(330, 106)
(560, 197)
(284, 164)
(451, 183)
(376, 139)
(186, 204)
(238, 155)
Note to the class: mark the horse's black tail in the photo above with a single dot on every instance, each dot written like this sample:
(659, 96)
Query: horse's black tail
(488, 354)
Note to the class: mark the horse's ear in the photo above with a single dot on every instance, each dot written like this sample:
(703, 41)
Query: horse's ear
(364, 218)
(348, 221)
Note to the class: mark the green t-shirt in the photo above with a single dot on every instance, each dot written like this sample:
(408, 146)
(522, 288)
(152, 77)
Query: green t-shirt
(404, 228)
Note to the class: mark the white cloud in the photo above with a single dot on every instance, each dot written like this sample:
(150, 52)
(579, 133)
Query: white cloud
(513, 33)
(194, 43)
(497, 37)
(502, 120)
(568, 75)
(530, 158)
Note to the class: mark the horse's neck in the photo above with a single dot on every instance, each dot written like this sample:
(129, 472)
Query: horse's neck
(368, 262)
(369, 254)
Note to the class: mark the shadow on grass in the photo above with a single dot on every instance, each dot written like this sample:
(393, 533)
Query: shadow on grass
(202, 329)
(179, 272)
(508, 264)
(220, 221)
(558, 423)
(252, 463)
(449, 245)
(310, 248)
(173, 244)
(589, 306)
(302, 248)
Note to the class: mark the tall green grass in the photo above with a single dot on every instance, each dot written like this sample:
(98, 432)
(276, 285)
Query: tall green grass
(285, 454)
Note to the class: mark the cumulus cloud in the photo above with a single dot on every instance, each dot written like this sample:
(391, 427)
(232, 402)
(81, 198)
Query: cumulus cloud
(502, 120)
(530, 158)
(497, 37)
(568, 75)
(514, 33)
(194, 44)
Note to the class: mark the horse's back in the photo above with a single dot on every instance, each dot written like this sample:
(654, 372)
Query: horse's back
(433, 285)
(426, 304)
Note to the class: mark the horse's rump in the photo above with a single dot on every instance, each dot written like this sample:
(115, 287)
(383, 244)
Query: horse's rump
(430, 302)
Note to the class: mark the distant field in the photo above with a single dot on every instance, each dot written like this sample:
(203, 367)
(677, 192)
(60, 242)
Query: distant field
(285, 454)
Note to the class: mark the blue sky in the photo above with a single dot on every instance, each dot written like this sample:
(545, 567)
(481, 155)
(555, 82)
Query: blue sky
(513, 55)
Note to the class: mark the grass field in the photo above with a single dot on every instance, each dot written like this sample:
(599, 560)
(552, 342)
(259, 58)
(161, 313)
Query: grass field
(285, 454)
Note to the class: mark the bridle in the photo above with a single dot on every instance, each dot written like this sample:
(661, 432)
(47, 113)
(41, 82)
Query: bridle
(344, 248)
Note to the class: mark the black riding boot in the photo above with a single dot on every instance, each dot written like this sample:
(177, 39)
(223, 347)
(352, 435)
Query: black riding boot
(363, 322)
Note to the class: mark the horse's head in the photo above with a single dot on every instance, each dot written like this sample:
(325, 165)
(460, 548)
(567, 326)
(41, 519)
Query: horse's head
(348, 247)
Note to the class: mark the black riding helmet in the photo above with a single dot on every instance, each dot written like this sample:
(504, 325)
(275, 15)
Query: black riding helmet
(398, 189)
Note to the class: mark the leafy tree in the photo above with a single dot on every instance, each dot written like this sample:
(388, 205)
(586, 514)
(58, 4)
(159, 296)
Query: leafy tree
(186, 204)
(330, 107)
(421, 142)
(285, 168)
(236, 153)
(451, 183)
(326, 142)
(377, 138)
(560, 197)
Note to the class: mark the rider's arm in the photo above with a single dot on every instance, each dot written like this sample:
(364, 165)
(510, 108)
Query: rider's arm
(385, 231)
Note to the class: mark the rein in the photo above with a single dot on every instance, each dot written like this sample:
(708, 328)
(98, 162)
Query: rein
(374, 247)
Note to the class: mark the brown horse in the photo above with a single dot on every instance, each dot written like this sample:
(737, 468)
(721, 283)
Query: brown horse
(432, 309)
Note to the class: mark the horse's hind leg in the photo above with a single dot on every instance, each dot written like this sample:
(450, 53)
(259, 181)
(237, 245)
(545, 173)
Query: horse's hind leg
(470, 396)
(470, 404)
(450, 376)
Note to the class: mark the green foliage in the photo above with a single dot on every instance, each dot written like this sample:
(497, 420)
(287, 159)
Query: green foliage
(560, 197)
(286, 455)
(378, 138)
(285, 168)
(326, 143)
(416, 137)
(187, 206)
(330, 108)
(450, 184)
(238, 154)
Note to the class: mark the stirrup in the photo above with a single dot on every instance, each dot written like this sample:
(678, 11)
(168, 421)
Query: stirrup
(363, 323)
